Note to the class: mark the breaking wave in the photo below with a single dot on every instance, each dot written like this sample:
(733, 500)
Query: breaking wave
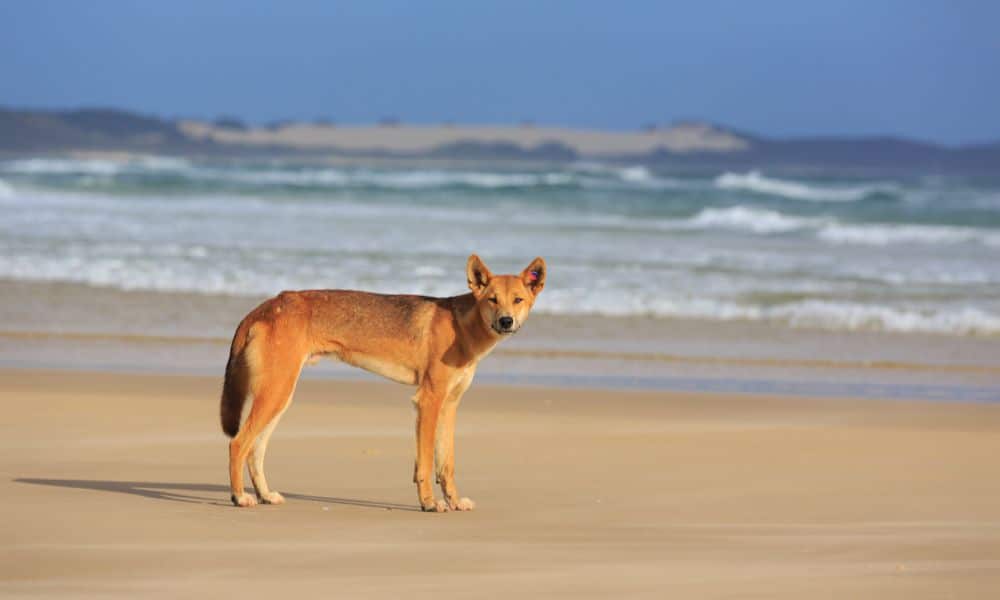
(298, 176)
(755, 182)
(753, 220)
(195, 269)
(759, 221)
(635, 174)
(638, 176)
(884, 235)
(646, 244)
(866, 317)
(108, 168)
(812, 314)
(411, 180)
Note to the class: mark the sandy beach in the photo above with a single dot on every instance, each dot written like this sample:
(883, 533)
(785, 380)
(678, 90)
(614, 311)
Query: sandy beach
(116, 486)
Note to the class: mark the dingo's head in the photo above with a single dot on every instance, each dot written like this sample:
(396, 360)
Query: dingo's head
(504, 301)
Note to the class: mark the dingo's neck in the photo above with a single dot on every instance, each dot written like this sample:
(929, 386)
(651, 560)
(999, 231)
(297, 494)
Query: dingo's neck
(479, 338)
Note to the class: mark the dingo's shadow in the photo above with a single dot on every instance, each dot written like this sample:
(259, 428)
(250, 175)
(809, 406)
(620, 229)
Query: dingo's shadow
(182, 492)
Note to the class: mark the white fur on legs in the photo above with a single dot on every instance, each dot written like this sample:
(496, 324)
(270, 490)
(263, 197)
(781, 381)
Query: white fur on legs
(245, 500)
(272, 498)
(438, 506)
(256, 461)
(463, 504)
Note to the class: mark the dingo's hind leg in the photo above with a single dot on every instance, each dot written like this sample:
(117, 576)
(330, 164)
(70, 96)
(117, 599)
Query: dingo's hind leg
(274, 384)
(238, 448)
(256, 459)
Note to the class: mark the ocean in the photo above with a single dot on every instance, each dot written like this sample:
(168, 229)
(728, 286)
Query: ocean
(882, 252)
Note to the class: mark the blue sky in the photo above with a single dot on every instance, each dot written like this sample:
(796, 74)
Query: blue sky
(923, 69)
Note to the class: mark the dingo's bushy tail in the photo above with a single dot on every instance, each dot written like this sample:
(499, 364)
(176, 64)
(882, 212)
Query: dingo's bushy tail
(236, 385)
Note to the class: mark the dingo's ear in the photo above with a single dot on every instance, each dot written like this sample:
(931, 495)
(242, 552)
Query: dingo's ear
(534, 276)
(478, 274)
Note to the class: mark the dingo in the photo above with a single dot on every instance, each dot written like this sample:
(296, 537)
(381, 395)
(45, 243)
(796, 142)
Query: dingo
(432, 343)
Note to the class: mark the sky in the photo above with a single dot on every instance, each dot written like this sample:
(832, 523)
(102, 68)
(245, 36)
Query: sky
(924, 69)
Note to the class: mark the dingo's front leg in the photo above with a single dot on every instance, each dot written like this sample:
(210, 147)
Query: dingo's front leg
(446, 459)
(428, 402)
(445, 445)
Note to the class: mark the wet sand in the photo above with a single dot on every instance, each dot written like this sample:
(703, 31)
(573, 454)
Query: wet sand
(61, 325)
(115, 485)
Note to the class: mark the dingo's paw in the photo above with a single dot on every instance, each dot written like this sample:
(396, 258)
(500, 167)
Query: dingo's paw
(435, 506)
(245, 500)
(272, 498)
(462, 504)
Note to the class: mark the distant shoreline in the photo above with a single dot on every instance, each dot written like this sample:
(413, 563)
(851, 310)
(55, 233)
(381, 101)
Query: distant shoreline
(689, 144)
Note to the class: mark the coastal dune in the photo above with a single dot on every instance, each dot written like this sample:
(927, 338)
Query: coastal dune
(115, 485)
(680, 138)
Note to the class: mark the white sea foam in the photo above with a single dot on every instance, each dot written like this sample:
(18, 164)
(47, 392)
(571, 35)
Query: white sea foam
(600, 175)
(401, 180)
(815, 314)
(197, 268)
(855, 316)
(754, 220)
(760, 221)
(430, 179)
(96, 167)
(755, 182)
(884, 235)
(635, 174)
(6, 190)
(61, 166)
(589, 175)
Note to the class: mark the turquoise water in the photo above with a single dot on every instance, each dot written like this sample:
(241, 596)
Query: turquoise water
(884, 252)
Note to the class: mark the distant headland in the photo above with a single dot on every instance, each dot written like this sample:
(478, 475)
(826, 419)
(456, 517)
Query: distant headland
(686, 144)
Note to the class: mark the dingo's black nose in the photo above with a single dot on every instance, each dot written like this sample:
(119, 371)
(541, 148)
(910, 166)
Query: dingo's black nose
(506, 322)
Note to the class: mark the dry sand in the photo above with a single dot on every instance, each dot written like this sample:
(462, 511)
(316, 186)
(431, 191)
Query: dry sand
(116, 485)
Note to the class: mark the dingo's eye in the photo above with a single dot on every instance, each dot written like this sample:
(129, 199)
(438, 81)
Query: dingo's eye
(493, 299)
(518, 300)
